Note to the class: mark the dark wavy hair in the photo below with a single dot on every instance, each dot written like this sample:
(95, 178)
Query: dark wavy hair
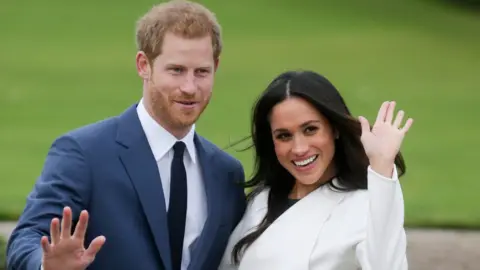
(350, 159)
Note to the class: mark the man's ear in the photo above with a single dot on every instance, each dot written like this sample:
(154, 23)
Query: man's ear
(143, 65)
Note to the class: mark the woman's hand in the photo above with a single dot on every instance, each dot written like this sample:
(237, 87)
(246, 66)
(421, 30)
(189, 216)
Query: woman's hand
(382, 142)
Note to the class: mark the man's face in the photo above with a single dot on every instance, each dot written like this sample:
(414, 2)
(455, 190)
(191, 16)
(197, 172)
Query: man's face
(178, 84)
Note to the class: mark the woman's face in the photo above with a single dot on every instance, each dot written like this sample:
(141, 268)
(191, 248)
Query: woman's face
(304, 142)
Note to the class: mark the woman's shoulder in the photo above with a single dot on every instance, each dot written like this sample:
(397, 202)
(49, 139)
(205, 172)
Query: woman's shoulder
(258, 199)
(255, 212)
(354, 201)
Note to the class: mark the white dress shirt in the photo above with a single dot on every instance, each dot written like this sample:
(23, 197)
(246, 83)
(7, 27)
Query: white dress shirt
(161, 143)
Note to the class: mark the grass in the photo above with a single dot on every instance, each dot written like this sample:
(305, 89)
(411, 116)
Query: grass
(64, 66)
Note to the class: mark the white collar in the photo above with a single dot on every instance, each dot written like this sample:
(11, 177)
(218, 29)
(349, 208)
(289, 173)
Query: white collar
(160, 140)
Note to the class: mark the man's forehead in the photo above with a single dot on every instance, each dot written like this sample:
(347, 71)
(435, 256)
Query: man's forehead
(176, 42)
(186, 58)
(187, 53)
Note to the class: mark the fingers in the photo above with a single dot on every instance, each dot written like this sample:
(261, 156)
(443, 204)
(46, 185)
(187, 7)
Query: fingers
(95, 246)
(45, 245)
(390, 111)
(398, 122)
(398, 119)
(365, 124)
(55, 231)
(407, 126)
(66, 223)
(386, 112)
(382, 112)
(81, 228)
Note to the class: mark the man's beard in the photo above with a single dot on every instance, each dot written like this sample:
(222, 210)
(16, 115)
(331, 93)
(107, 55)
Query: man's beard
(164, 112)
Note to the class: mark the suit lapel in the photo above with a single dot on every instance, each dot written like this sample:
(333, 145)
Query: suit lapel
(141, 167)
(213, 189)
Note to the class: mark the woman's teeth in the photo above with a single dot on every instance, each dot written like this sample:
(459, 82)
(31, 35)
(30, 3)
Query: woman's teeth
(305, 162)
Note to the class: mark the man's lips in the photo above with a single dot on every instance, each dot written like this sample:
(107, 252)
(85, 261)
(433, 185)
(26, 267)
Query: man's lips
(186, 104)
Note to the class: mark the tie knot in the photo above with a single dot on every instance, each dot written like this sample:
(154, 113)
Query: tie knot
(178, 149)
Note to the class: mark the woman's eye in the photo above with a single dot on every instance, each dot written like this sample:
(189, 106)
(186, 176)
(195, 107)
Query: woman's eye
(283, 136)
(311, 130)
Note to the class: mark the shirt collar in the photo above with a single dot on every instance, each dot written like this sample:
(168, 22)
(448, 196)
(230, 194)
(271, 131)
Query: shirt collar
(160, 140)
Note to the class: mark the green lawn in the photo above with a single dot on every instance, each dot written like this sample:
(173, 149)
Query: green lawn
(64, 66)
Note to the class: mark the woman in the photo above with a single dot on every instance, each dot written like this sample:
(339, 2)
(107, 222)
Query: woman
(326, 192)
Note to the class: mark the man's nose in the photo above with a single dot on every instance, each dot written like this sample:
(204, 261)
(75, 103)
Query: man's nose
(189, 85)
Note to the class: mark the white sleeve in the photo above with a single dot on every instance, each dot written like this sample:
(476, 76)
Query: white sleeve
(385, 243)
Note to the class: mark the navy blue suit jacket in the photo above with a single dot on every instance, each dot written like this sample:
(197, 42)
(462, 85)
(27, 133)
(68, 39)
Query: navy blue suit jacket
(109, 169)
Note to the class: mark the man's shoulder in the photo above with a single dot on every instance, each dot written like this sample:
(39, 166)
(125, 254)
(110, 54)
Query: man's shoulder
(94, 134)
(95, 129)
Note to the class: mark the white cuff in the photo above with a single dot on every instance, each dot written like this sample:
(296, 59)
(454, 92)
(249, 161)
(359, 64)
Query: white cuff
(379, 176)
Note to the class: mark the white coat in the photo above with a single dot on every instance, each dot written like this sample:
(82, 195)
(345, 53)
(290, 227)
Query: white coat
(328, 230)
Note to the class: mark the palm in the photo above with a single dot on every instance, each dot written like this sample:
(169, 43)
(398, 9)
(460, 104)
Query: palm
(70, 254)
(67, 251)
(384, 139)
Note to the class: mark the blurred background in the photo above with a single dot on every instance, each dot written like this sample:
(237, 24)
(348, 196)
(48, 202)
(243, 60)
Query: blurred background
(64, 64)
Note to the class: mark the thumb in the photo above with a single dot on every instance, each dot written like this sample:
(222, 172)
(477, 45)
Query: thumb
(94, 248)
(364, 124)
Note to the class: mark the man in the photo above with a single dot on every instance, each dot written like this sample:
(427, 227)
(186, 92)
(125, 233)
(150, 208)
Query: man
(154, 193)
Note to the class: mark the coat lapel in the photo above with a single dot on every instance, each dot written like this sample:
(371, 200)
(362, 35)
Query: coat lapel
(213, 189)
(141, 167)
(293, 234)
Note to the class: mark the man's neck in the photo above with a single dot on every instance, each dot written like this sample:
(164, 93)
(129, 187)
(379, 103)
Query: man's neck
(176, 131)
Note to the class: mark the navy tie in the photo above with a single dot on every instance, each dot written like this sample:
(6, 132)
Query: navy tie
(177, 208)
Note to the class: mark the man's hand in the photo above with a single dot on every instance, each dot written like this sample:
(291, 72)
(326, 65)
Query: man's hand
(66, 251)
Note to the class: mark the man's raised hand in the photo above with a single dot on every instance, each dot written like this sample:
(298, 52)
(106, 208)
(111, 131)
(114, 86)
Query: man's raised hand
(67, 251)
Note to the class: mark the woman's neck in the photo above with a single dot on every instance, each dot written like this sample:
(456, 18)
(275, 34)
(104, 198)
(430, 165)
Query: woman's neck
(300, 190)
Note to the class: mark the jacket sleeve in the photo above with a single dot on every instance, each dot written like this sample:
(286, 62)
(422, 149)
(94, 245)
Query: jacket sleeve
(64, 181)
(385, 244)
